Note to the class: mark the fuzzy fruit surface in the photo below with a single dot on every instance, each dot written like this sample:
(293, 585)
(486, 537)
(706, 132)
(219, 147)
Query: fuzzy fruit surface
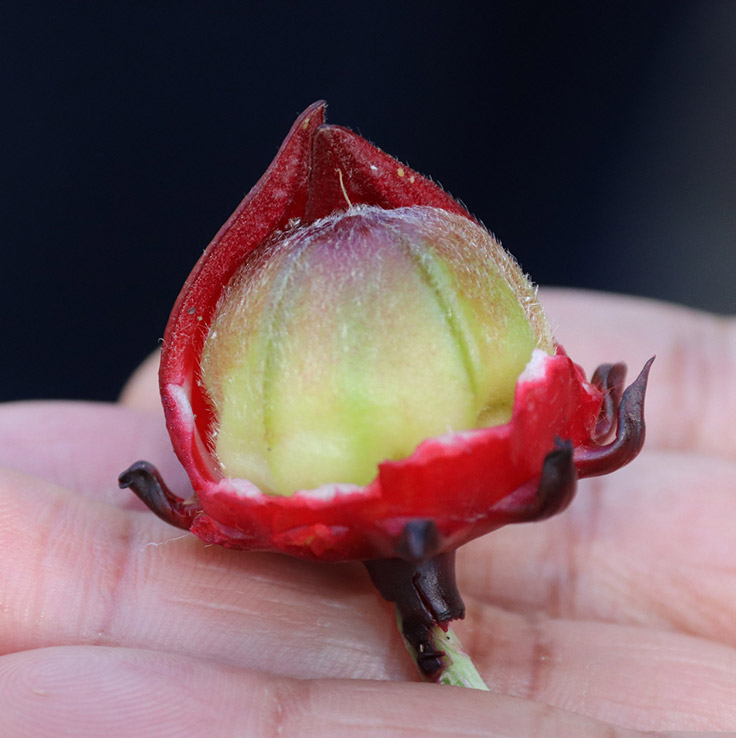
(347, 342)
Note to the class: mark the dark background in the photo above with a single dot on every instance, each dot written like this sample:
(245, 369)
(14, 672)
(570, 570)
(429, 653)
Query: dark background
(595, 139)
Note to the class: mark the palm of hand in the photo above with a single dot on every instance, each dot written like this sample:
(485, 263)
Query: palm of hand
(619, 612)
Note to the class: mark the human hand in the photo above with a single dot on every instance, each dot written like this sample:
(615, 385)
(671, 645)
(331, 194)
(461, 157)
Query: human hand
(620, 612)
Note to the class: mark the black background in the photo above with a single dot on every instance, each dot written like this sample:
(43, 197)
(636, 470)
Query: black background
(595, 139)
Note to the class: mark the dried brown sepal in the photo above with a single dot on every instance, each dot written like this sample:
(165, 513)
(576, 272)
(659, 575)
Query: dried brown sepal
(609, 379)
(144, 479)
(592, 459)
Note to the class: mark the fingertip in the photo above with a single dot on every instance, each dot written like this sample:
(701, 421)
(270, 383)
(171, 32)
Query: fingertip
(141, 390)
(119, 692)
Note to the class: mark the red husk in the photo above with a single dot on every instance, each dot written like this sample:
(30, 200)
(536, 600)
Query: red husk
(463, 481)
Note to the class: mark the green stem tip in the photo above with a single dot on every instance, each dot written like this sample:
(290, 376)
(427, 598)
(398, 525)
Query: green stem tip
(458, 668)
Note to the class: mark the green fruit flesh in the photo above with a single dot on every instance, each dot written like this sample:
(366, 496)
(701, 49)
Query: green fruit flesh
(348, 342)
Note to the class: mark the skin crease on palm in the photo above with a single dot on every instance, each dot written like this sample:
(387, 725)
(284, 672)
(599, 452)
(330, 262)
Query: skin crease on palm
(613, 619)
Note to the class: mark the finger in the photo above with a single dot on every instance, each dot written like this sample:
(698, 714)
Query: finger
(84, 446)
(101, 584)
(154, 694)
(650, 544)
(141, 390)
(617, 554)
(628, 675)
(691, 400)
(77, 571)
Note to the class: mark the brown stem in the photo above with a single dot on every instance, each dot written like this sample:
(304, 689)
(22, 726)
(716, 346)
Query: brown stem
(425, 594)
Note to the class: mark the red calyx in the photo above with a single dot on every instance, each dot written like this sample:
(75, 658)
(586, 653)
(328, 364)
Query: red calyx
(417, 510)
